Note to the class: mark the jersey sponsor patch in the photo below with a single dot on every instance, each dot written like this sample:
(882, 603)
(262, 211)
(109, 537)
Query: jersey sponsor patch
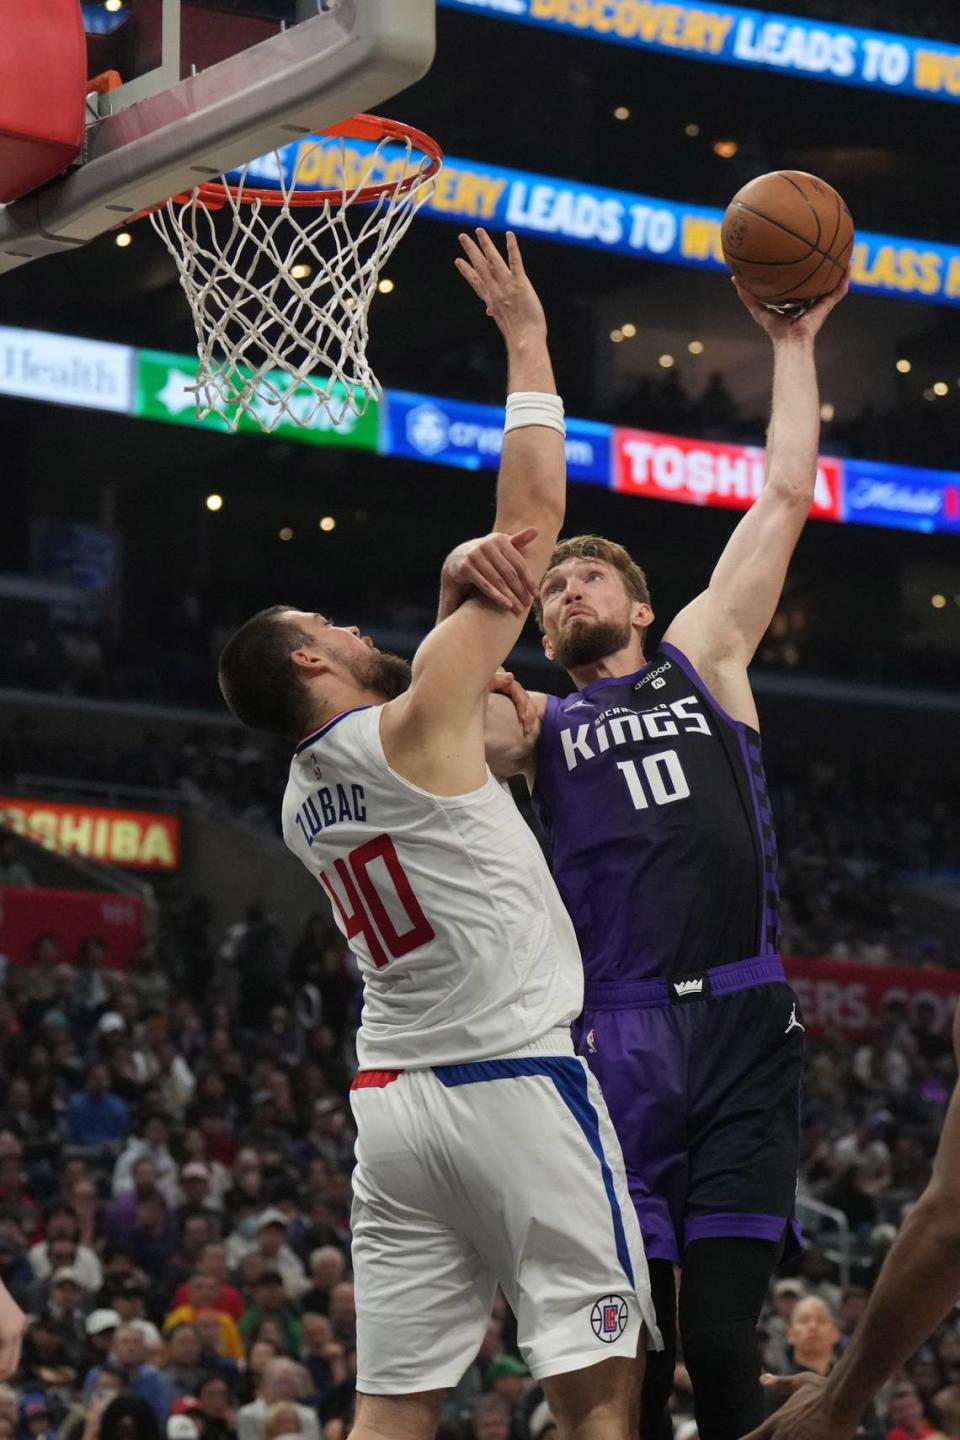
(608, 1318)
(654, 678)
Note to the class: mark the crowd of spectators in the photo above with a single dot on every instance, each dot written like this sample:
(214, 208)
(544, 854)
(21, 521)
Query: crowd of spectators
(175, 1153)
(850, 833)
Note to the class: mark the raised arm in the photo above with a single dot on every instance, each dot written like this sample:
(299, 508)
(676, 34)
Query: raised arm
(495, 568)
(434, 735)
(918, 1285)
(721, 629)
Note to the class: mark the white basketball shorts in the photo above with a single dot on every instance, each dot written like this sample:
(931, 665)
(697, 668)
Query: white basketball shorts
(501, 1171)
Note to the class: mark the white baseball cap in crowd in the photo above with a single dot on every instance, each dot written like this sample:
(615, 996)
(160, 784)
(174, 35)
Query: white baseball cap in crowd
(66, 1275)
(181, 1427)
(100, 1320)
(272, 1216)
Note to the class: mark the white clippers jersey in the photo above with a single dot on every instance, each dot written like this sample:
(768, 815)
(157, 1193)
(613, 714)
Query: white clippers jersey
(466, 950)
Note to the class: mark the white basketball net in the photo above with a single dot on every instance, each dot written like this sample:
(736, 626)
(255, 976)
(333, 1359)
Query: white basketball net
(281, 294)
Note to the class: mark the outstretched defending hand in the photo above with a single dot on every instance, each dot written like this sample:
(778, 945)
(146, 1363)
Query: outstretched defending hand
(494, 566)
(806, 1416)
(502, 285)
(782, 326)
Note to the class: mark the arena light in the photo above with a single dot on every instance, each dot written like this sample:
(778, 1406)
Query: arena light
(286, 532)
(725, 149)
(827, 411)
(929, 395)
(113, 6)
(616, 336)
(214, 502)
(691, 131)
(629, 330)
(386, 286)
(665, 362)
(941, 388)
(301, 270)
(621, 113)
(327, 524)
(938, 601)
(122, 239)
(696, 347)
(905, 367)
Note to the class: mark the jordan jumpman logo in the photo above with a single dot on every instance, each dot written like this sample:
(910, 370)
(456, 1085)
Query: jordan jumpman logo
(793, 1023)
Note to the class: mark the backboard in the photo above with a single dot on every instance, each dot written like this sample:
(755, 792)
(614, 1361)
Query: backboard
(207, 85)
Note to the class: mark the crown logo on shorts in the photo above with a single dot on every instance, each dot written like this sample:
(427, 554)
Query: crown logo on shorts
(688, 987)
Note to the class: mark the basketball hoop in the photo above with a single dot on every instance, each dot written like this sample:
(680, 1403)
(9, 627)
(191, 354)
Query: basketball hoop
(280, 274)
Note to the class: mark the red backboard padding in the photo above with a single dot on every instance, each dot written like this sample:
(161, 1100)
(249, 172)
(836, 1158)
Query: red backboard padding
(43, 71)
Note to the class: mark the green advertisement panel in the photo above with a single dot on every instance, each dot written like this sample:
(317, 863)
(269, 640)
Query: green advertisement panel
(162, 392)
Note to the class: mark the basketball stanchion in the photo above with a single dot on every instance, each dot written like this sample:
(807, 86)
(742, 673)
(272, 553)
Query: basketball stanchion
(280, 276)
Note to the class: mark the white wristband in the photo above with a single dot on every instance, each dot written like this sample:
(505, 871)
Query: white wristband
(531, 407)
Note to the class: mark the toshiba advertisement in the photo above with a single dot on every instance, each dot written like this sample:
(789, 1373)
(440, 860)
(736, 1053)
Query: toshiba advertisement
(136, 839)
(701, 472)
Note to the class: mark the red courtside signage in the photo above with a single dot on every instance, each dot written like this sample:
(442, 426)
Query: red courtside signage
(138, 839)
(73, 916)
(702, 472)
(848, 998)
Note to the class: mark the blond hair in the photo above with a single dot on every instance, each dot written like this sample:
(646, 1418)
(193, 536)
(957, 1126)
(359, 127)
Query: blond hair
(594, 547)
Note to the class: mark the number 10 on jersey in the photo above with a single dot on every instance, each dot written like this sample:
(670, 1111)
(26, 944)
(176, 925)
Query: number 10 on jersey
(658, 778)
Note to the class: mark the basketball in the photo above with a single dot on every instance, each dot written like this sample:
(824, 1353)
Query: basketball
(787, 236)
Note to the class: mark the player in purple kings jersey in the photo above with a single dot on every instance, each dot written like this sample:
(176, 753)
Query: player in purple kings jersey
(649, 780)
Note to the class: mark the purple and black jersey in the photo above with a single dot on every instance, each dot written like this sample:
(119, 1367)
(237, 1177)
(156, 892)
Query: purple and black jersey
(662, 840)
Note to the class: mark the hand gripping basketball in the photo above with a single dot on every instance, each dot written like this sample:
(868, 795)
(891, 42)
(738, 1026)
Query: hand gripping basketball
(806, 322)
(788, 236)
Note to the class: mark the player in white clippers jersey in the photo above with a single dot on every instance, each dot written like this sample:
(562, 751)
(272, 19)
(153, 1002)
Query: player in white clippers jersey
(473, 1113)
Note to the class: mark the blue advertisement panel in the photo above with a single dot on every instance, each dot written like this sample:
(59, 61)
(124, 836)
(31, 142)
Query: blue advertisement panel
(468, 192)
(756, 39)
(453, 432)
(901, 497)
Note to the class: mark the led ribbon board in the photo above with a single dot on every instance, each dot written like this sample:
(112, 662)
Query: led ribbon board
(469, 192)
(754, 39)
(149, 384)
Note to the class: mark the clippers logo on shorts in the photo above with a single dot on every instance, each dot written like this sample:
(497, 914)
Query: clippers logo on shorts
(609, 1318)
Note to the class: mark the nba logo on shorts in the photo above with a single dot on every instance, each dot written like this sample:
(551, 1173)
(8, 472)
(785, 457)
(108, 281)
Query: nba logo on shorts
(609, 1318)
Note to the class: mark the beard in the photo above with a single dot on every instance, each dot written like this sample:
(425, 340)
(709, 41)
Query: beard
(384, 674)
(587, 641)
